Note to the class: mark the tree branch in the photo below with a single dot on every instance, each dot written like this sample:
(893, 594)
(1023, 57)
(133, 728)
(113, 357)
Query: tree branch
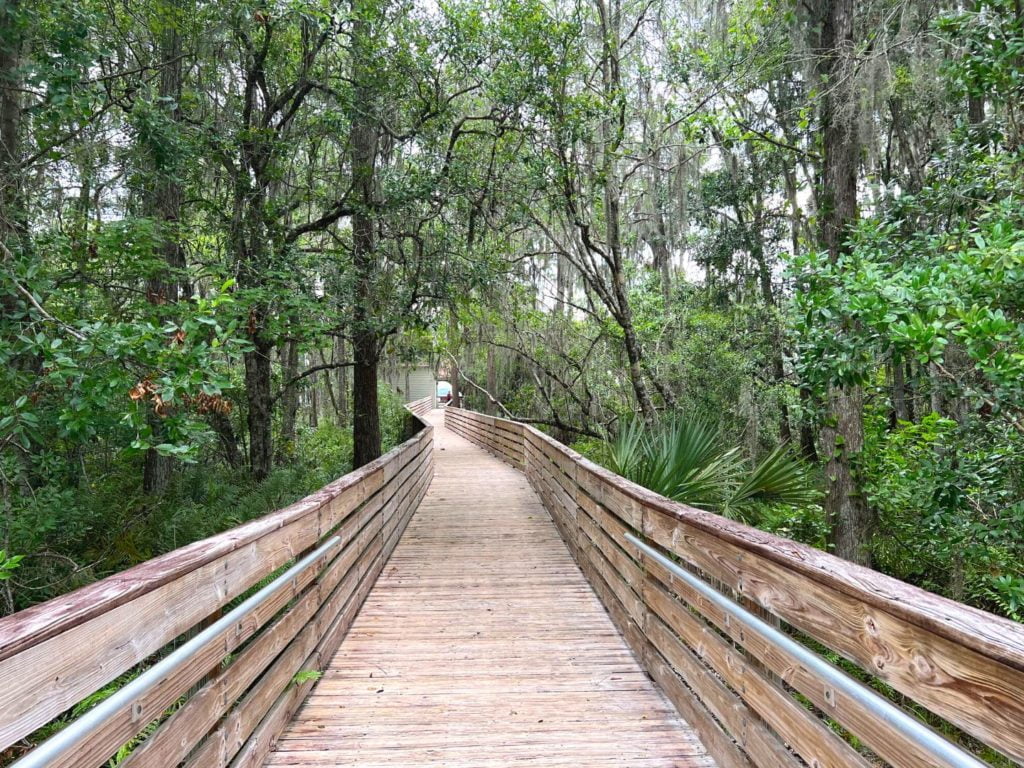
(308, 372)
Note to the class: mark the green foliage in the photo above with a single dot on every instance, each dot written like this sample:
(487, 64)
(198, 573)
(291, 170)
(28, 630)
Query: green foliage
(806, 523)
(686, 460)
(930, 291)
(92, 378)
(163, 234)
(779, 478)
(75, 534)
(991, 35)
(394, 419)
(8, 563)
(948, 500)
(1007, 593)
(914, 294)
(305, 676)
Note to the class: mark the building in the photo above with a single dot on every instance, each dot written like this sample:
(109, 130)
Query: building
(412, 381)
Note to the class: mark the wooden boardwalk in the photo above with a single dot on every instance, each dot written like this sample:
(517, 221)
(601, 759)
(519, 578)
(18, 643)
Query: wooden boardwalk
(482, 645)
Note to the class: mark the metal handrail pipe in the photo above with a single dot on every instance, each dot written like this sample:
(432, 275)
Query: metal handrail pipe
(943, 751)
(73, 735)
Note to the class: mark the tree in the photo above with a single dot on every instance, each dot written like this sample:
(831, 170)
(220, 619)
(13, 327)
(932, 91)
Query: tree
(164, 201)
(365, 338)
(850, 517)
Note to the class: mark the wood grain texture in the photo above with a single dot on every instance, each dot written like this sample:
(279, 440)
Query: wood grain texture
(503, 438)
(961, 663)
(422, 406)
(482, 645)
(57, 653)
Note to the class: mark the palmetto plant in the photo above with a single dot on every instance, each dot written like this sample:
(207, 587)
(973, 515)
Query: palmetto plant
(686, 460)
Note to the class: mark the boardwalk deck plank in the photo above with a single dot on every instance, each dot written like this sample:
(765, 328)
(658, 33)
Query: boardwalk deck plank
(482, 645)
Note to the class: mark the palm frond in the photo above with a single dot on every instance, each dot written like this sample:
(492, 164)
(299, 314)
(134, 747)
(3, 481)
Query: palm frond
(626, 451)
(685, 459)
(780, 478)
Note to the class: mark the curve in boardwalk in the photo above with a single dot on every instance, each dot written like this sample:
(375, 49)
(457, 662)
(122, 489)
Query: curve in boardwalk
(481, 644)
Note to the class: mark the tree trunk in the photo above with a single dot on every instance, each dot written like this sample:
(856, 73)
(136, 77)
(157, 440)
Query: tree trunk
(636, 376)
(314, 416)
(456, 400)
(13, 209)
(843, 437)
(228, 441)
(257, 391)
(935, 390)
(658, 240)
(365, 344)
(492, 381)
(166, 197)
(808, 449)
(612, 83)
(157, 468)
(852, 521)
(289, 397)
(332, 399)
(12, 203)
(562, 292)
(662, 260)
(900, 411)
(976, 110)
(343, 393)
(808, 446)
(366, 435)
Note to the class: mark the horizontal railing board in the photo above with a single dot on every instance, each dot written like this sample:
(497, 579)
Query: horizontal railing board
(806, 734)
(40, 622)
(329, 623)
(59, 652)
(730, 710)
(500, 437)
(156, 746)
(961, 663)
(630, 600)
(411, 502)
(891, 746)
(998, 691)
(332, 513)
(616, 577)
(172, 742)
(1000, 639)
(956, 683)
(626, 569)
(34, 625)
(403, 506)
(43, 681)
(231, 734)
(474, 430)
(561, 514)
(718, 743)
(631, 631)
(421, 406)
(117, 727)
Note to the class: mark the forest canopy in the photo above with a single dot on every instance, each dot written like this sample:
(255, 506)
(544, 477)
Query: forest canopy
(765, 257)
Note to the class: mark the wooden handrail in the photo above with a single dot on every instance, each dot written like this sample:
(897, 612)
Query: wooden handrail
(54, 655)
(964, 665)
(421, 406)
